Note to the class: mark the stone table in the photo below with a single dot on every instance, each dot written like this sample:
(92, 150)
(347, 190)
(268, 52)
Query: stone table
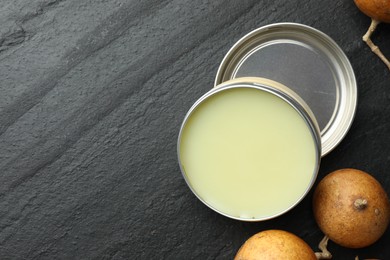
(92, 95)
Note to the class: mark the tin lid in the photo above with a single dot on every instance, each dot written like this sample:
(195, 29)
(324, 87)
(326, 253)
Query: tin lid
(307, 61)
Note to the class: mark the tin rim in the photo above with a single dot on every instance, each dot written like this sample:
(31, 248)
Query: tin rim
(279, 91)
(345, 81)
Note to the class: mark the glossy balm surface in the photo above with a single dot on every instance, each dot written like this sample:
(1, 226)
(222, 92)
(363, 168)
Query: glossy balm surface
(247, 153)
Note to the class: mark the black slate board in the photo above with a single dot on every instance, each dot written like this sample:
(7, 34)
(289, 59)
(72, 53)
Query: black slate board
(92, 95)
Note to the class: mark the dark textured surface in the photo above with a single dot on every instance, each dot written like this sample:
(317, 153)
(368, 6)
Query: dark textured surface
(92, 95)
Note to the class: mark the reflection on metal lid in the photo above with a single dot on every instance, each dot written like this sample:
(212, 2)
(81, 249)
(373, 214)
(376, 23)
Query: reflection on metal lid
(307, 61)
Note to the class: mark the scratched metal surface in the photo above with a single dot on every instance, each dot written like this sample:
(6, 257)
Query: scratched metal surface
(92, 95)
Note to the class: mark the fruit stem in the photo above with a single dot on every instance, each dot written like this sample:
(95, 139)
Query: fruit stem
(360, 204)
(374, 48)
(324, 254)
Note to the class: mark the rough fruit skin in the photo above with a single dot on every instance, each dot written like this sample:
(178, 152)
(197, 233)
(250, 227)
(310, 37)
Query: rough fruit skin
(275, 244)
(376, 9)
(337, 215)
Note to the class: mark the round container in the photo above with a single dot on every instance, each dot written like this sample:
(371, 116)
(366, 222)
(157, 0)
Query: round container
(250, 149)
(307, 61)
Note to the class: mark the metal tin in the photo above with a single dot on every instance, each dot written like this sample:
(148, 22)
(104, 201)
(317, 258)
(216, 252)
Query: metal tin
(280, 91)
(307, 61)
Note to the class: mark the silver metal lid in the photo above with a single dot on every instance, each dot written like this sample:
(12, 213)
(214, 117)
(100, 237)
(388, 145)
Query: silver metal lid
(307, 61)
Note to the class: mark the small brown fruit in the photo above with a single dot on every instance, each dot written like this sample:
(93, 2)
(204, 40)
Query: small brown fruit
(379, 11)
(275, 244)
(376, 9)
(351, 207)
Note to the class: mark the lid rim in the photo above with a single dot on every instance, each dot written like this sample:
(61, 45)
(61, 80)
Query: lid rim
(346, 101)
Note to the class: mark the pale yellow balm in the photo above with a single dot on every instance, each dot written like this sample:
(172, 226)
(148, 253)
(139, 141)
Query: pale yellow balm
(247, 153)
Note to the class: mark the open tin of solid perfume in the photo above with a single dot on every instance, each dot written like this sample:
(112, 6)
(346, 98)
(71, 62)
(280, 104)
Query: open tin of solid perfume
(250, 148)
(305, 60)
